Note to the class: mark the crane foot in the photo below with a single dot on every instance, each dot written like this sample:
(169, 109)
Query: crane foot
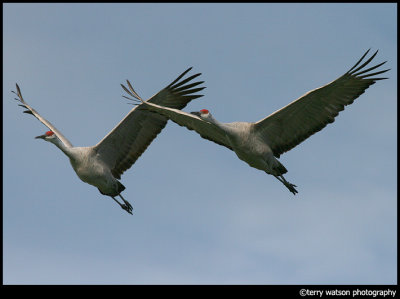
(125, 206)
(291, 188)
(288, 185)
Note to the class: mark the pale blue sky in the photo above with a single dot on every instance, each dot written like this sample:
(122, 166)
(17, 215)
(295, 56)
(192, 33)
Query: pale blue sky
(201, 216)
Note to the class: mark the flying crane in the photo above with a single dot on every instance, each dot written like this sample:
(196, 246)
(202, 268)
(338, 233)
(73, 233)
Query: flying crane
(103, 164)
(260, 143)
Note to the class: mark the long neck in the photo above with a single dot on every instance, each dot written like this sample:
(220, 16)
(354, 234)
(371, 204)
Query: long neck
(66, 150)
(211, 119)
(224, 126)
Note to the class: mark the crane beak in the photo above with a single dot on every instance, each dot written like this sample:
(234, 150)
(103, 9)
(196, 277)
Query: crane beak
(195, 113)
(41, 137)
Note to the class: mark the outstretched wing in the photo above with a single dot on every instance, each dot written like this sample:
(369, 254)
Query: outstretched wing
(206, 129)
(44, 121)
(129, 139)
(289, 126)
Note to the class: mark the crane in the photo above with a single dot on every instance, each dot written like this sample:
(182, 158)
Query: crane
(103, 164)
(260, 143)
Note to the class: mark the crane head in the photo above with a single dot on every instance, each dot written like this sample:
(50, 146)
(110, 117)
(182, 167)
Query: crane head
(202, 113)
(49, 135)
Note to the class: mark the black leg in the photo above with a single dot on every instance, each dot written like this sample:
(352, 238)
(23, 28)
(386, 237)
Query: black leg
(288, 185)
(127, 208)
(127, 204)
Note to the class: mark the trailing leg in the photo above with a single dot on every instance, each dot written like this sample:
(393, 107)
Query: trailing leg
(126, 206)
(287, 184)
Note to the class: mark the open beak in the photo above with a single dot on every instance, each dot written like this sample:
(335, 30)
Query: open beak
(41, 136)
(195, 113)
